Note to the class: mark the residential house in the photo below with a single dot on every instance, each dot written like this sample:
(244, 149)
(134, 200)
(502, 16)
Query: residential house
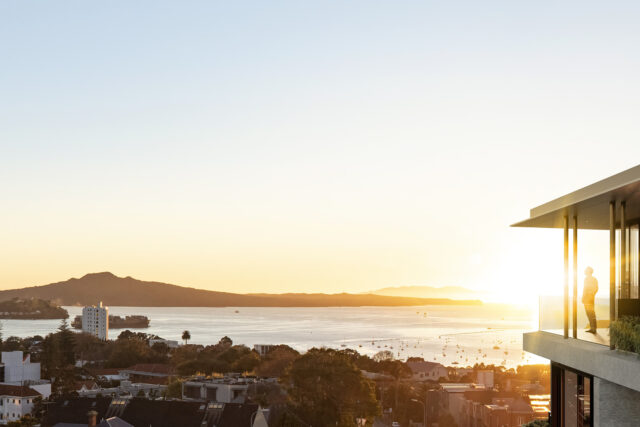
(16, 401)
(423, 370)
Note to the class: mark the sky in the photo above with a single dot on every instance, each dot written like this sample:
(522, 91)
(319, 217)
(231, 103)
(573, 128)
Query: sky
(308, 146)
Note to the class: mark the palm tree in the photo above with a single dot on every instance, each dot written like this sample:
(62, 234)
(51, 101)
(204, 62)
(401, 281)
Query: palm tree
(186, 336)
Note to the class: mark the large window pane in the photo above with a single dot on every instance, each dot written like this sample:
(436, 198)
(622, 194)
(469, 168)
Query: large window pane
(570, 403)
(584, 402)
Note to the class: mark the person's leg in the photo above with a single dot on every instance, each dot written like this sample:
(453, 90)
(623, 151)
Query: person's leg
(591, 315)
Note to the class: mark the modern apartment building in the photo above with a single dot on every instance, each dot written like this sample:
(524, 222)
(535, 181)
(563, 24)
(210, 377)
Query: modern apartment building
(95, 321)
(16, 369)
(593, 381)
(20, 385)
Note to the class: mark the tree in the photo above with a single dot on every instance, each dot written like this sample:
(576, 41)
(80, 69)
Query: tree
(67, 343)
(173, 390)
(225, 342)
(186, 336)
(383, 355)
(25, 421)
(537, 423)
(326, 387)
(277, 361)
(127, 352)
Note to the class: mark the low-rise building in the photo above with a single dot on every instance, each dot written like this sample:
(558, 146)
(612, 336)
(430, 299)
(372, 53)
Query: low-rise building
(222, 390)
(485, 378)
(157, 413)
(17, 369)
(16, 401)
(149, 373)
(423, 371)
(168, 343)
(124, 389)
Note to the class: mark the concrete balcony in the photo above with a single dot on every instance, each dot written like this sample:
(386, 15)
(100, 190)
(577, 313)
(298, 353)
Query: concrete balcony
(615, 366)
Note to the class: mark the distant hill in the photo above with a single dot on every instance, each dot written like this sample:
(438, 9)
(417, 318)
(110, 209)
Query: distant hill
(127, 291)
(453, 292)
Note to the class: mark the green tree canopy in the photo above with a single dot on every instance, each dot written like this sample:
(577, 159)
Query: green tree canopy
(325, 386)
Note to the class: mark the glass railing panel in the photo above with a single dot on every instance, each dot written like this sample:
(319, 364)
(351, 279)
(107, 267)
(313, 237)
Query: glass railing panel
(551, 318)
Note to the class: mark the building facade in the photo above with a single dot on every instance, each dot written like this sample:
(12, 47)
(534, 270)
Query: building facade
(16, 369)
(593, 381)
(16, 402)
(427, 371)
(95, 321)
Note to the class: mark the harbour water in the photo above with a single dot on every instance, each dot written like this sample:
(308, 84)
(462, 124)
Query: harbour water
(458, 335)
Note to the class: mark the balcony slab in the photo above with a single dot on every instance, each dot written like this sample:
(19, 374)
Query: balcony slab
(615, 366)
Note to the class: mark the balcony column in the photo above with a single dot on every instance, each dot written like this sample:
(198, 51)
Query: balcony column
(624, 282)
(566, 276)
(575, 277)
(612, 264)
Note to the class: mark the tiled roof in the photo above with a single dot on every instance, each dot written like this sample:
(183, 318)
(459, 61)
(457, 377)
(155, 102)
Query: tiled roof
(167, 413)
(89, 385)
(156, 413)
(17, 390)
(74, 410)
(237, 414)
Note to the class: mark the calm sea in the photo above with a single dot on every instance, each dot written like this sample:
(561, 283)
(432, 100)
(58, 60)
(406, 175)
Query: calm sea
(467, 335)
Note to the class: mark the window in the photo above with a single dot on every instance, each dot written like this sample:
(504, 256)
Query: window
(571, 397)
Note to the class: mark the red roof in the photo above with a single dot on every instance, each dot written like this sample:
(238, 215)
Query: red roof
(17, 390)
(89, 385)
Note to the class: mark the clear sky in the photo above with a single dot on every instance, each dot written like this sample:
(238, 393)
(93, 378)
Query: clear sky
(306, 146)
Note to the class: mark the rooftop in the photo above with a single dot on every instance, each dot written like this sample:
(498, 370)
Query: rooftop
(590, 204)
(17, 390)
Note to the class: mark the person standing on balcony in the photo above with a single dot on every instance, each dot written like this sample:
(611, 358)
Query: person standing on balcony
(588, 298)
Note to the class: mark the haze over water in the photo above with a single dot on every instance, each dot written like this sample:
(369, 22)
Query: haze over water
(445, 334)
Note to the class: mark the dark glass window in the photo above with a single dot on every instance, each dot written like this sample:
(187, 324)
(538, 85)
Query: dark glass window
(571, 398)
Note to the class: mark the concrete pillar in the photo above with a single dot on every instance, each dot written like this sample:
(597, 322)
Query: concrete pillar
(566, 276)
(575, 277)
(612, 264)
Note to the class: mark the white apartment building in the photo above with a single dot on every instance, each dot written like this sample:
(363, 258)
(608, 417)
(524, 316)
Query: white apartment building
(215, 391)
(20, 384)
(263, 349)
(95, 321)
(16, 369)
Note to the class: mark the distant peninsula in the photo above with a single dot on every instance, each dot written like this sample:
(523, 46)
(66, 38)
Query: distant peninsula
(30, 309)
(454, 292)
(127, 291)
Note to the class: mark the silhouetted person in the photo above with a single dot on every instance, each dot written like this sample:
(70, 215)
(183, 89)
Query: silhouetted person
(588, 298)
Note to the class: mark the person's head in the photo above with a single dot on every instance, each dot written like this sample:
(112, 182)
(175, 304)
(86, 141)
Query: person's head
(588, 271)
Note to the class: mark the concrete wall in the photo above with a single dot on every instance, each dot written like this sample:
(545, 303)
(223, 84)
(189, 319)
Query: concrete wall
(615, 405)
(619, 367)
